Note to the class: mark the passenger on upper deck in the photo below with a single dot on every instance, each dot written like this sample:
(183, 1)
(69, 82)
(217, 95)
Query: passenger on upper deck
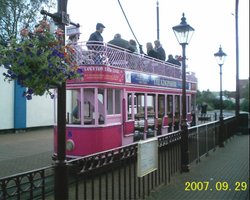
(132, 46)
(150, 51)
(178, 59)
(119, 42)
(95, 43)
(96, 36)
(159, 49)
(74, 35)
(172, 60)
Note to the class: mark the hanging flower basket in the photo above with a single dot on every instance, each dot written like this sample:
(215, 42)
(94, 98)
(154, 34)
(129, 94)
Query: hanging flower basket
(40, 61)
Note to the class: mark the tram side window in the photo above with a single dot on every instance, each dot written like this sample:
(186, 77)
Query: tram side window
(117, 101)
(151, 111)
(170, 109)
(113, 101)
(161, 106)
(89, 106)
(129, 106)
(177, 106)
(101, 106)
(188, 104)
(140, 104)
(110, 101)
(151, 105)
(73, 105)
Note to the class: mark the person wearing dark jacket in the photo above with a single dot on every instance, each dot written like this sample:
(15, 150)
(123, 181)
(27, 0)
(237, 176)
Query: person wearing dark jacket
(119, 42)
(151, 52)
(159, 49)
(95, 43)
(96, 37)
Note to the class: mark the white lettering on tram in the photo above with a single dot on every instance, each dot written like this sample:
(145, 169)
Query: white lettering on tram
(97, 68)
(166, 83)
(101, 68)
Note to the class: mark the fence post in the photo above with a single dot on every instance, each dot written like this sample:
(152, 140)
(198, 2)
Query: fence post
(198, 145)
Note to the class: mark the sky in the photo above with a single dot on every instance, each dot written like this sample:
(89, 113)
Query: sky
(213, 21)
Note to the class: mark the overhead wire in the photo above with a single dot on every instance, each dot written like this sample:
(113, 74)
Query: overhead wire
(140, 46)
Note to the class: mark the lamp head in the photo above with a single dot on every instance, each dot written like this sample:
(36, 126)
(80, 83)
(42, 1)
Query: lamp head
(183, 31)
(220, 56)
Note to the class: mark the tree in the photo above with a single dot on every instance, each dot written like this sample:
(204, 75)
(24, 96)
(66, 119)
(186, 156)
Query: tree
(244, 106)
(14, 14)
(206, 97)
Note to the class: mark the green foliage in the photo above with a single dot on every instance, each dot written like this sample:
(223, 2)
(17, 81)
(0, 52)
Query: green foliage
(245, 105)
(40, 61)
(15, 13)
(245, 92)
(206, 97)
(213, 102)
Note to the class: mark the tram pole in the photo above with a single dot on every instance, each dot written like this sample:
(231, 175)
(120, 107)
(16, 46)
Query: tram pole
(157, 19)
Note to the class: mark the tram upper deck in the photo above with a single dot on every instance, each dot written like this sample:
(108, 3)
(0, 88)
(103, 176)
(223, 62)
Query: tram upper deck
(94, 53)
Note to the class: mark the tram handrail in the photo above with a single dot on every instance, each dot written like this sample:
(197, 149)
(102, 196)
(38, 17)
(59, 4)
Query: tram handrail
(96, 53)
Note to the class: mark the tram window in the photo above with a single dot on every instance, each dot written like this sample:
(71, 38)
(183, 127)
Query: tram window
(161, 106)
(188, 104)
(110, 101)
(101, 107)
(129, 99)
(89, 106)
(170, 110)
(151, 105)
(177, 104)
(140, 102)
(170, 103)
(73, 105)
(117, 101)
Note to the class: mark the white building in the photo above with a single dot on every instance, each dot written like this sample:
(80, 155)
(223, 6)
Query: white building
(18, 113)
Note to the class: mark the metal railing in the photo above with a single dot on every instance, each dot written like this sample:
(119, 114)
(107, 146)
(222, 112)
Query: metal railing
(94, 53)
(33, 184)
(113, 174)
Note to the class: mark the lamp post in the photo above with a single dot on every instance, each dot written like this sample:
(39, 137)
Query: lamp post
(183, 33)
(220, 58)
(157, 20)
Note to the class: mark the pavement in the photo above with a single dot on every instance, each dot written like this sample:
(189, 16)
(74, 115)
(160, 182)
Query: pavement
(26, 150)
(225, 170)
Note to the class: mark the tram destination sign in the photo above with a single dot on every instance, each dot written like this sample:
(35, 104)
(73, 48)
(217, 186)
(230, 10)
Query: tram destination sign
(154, 80)
(100, 74)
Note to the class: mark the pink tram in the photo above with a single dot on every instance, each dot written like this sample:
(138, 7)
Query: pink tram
(121, 98)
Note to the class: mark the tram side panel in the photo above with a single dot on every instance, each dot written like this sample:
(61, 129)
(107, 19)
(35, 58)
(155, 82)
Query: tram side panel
(81, 141)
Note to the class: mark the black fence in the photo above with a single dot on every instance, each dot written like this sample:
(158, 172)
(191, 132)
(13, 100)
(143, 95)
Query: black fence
(113, 174)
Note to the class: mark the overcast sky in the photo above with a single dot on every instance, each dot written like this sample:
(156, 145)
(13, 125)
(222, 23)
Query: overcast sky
(213, 21)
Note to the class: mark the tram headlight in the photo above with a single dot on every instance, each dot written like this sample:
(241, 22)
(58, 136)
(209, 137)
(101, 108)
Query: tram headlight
(70, 145)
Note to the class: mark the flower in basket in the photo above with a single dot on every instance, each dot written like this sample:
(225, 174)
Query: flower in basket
(39, 61)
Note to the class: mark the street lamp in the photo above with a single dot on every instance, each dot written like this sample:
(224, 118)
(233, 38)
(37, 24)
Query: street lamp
(220, 58)
(183, 33)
